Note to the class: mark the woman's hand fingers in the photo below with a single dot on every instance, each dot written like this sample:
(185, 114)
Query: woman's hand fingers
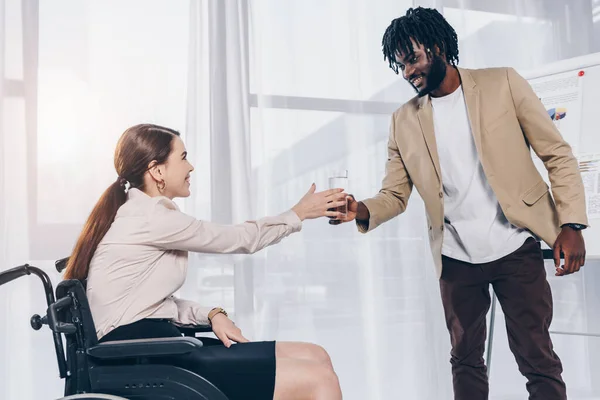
(223, 337)
(340, 203)
(226, 331)
(236, 336)
(336, 196)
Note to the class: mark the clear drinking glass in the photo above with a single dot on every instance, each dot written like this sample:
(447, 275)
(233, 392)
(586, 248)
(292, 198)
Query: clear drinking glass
(339, 180)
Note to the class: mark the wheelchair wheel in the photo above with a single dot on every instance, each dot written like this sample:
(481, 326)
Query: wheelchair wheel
(92, 396)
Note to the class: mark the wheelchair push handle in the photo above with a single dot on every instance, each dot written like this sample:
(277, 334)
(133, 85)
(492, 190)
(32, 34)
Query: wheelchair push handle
(26, 269)
(14, 273)
(36, 321)
(61, 264)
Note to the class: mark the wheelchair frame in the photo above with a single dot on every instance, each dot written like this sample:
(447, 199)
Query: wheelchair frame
(117, 368)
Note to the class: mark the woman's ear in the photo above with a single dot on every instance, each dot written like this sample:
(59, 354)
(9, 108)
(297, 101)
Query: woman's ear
(155, 171)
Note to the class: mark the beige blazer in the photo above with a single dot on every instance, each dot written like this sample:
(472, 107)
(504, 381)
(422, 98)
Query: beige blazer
(507, 119)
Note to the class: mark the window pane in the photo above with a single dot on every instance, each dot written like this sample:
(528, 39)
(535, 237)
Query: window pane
(104, 66)
(327, 49)
(210, 280)
(318, 48)
(330, 284)
(489, 39)
(13, 174)
(491, 33)
(275, 130)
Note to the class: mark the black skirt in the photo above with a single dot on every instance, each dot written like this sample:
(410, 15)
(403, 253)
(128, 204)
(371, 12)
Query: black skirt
(243, 371)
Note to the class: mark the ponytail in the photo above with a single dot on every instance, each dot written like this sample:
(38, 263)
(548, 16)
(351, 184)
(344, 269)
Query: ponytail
(96, 226)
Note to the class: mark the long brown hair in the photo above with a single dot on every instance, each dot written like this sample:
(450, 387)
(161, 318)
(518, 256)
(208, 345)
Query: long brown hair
(137, 148)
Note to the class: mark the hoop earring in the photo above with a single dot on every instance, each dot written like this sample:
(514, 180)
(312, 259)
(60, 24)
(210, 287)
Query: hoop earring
(161, 185)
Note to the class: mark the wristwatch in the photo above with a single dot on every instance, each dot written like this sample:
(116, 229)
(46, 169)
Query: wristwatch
(575, 227)
(215, 311)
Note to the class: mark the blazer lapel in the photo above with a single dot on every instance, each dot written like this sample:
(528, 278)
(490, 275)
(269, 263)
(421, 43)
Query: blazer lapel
(425, 115)
(472, 100)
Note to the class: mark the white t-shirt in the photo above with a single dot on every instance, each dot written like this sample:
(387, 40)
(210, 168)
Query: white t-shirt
(476, 230)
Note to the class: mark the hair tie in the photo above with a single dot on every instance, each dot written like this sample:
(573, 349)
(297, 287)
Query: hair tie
(124, 183)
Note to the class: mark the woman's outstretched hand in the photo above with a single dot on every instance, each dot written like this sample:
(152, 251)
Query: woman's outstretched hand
(316, 204)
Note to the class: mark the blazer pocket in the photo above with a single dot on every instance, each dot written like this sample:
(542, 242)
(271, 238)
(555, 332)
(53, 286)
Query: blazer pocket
(535, 193)
(496, 121)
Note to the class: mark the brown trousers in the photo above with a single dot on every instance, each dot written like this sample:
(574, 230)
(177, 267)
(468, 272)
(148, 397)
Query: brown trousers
(519, 281)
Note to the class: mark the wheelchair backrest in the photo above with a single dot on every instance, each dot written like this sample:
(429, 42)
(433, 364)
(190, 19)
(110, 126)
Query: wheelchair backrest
(78, 313)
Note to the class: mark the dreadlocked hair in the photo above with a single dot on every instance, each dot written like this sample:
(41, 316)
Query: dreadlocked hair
(425, 26)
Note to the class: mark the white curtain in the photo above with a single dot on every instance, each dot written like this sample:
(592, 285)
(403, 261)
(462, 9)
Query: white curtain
(218, 137)
(270, 96)
(218, 112)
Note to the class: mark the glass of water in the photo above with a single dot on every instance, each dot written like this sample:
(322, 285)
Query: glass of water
(339, 180)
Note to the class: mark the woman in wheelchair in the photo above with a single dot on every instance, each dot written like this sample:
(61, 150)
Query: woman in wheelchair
(133, 252)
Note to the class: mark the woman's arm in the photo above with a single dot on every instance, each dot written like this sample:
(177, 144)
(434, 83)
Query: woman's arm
(170, 229)
(190, 312)
(173, 230)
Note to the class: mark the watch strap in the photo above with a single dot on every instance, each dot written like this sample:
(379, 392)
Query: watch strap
(215, 311)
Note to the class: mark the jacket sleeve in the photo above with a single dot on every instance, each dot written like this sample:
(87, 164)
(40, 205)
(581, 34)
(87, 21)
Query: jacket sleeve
(395, 191)
(556, 154)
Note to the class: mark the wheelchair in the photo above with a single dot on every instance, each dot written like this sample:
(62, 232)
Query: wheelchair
(112, 370)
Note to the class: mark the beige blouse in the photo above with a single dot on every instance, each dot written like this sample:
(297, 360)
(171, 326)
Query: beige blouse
(143, 259)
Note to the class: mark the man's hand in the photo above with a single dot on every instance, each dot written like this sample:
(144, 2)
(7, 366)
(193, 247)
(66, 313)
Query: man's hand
(226, 330)
(570, 242)
(350, 215)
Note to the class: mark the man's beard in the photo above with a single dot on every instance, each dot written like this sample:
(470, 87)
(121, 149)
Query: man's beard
(437, 73)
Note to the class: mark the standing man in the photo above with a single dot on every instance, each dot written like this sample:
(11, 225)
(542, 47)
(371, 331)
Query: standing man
(464, 143)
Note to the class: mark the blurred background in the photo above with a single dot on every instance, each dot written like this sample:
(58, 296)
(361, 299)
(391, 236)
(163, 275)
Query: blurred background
(270, 96)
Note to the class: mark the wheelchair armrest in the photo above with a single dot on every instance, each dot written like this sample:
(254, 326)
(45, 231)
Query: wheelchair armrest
(144, 348)
(191, 330)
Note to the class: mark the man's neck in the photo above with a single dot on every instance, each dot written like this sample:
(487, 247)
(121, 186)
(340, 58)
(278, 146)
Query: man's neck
(450, 83)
